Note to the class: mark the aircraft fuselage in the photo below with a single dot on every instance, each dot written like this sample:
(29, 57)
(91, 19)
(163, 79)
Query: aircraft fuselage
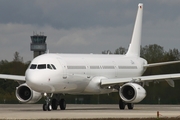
(80, 73)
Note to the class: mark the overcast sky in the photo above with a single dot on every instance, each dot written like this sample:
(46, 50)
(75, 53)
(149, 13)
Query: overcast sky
(85, 26)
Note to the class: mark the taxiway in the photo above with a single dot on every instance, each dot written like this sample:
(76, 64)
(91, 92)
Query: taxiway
(34, 111)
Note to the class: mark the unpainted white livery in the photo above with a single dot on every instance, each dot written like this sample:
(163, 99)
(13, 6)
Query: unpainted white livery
(51, 75)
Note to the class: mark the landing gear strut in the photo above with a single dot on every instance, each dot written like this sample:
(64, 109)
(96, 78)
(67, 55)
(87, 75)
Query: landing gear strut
(53, 104)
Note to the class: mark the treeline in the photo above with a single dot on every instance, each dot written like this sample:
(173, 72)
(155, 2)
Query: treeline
(8, 87)
(157, 93)
(161, 93)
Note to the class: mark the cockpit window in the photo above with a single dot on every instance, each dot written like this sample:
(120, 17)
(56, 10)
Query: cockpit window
(53, 66)
(49, 66)
(33, 66)
(41, 66)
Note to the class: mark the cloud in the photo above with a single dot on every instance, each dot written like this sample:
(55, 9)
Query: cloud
(73, 37)
(85, 26)
(64, 14)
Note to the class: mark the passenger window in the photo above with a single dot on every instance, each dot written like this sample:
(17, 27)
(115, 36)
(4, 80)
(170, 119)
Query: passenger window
(41, 66)
(33, 66)
(49, 66)
(53, 66)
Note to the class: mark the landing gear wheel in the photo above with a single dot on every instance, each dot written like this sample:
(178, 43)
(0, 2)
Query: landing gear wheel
(122, 104)
(45, 107)
(49, 107)
(130, 106)
(62, 104)
(54, 104)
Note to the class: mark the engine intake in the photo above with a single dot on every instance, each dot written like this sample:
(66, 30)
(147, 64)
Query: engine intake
(26, 95)
(132, 93)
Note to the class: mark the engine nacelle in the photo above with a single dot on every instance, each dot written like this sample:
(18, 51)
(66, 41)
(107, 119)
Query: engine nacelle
(26, 95)
(132, 93)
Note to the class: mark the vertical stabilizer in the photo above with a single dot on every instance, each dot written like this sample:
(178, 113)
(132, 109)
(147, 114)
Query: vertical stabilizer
(134, 47)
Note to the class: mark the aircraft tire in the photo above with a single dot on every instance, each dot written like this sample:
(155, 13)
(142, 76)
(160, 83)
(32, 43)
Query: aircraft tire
(122, 104)
(45, 107)
(62, 104)
(130, 106)
(54, 104)
(49, 107)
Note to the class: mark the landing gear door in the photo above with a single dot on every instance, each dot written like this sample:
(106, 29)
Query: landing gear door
(64, 68)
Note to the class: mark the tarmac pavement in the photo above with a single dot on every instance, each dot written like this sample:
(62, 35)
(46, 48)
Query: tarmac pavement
(34, 111)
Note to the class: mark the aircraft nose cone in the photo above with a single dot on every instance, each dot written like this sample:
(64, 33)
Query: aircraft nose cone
(36, 81)
(31, 79)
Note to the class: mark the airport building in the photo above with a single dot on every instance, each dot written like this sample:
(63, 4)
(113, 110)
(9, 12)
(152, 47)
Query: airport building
(38, 44)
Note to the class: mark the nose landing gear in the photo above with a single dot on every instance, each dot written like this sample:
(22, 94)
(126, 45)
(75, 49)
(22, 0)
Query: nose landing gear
(53, 104)
(47, 105)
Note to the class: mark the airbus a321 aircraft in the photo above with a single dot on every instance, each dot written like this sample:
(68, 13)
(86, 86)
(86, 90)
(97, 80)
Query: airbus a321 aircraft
(51, 75)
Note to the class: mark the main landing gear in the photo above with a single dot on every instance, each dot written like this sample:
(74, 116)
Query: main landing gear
(122, 105)
(54, 103)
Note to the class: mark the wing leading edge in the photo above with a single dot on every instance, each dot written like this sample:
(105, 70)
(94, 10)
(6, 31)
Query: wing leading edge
(167, 77)
(13, 77)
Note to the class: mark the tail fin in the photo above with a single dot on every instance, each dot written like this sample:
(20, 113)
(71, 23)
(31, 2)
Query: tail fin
(134, 47)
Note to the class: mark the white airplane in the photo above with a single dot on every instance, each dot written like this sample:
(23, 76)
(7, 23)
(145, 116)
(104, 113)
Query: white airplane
(51, 75)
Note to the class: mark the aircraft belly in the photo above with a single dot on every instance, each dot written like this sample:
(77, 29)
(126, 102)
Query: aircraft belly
(71, 85)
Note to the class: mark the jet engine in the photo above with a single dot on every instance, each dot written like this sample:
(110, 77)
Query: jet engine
(132, 93)
(26, 95)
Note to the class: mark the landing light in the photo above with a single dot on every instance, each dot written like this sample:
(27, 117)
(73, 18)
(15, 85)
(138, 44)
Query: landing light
(45, 94)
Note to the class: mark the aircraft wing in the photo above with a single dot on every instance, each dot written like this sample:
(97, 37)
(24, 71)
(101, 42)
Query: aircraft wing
(12, 77)
(117, 81)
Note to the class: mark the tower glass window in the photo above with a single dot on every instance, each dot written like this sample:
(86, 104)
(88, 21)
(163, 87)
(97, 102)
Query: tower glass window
(38, 44)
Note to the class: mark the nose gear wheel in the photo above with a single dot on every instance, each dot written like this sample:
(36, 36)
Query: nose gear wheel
(52, 104)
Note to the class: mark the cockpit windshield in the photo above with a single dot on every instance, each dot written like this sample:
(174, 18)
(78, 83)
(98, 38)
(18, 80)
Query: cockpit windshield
(53, 66)
(49, 66)
(33, 66)
(42, 66)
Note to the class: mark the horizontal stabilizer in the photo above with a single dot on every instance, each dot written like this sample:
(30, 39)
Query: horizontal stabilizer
(161, 63)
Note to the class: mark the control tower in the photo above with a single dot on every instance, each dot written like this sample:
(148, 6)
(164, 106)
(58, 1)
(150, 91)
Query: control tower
(38, 44)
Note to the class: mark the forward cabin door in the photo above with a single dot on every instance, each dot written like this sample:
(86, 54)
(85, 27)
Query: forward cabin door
(64, 67)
